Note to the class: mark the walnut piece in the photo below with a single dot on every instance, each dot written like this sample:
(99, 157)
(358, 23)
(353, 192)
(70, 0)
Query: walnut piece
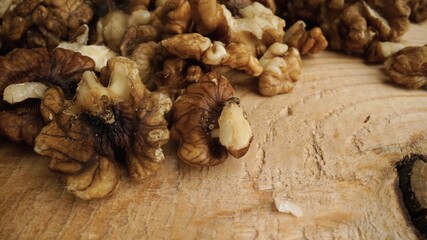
(101, 124)
(209, 123)
(200, 48)
(282, 67)
(408, 67)
(307, 42)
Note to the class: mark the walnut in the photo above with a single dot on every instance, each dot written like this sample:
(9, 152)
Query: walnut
(235, 5)
(99, 53)
(209, 123)
(24, 76)
(352, 26)
(101, 125)
(35, 23)
(120, 31)
(307, 42)
(418, 10)
(176, 16)
(195, 46)
(148, 56)
(256, 29)
(282, 67)
(408, 67)
(176, 75)
(136, 35)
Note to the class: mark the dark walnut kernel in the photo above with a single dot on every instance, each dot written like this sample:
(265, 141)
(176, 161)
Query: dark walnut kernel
(412, 171)
(199, 115)
(103, 124)
(408, 67)
(34, 23)
(22, 73)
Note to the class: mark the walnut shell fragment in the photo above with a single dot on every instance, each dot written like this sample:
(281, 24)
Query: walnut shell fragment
(209, 123)
(408, 67)
(104, 124)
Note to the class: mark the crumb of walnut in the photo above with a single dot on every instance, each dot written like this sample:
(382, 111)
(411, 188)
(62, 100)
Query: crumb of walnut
(34, 23)
(104, 122)
(200, 48)
(408, 67)
(24, 77)
(282, 67)
(209, 122)
(307, 42)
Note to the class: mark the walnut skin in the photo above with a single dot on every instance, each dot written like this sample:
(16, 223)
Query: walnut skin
(408, 67)
(63, 68)
(101, 124)
(196, 116)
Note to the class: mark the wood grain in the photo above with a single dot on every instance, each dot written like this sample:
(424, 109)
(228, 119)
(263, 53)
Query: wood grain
(330, 147)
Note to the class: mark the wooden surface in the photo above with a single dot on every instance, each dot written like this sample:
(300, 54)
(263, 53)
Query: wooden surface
(330, 147)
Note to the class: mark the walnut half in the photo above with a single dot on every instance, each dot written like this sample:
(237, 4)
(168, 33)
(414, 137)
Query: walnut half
(209, 123)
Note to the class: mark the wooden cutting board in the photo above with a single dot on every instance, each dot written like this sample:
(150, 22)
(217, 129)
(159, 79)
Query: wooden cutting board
(329, 147)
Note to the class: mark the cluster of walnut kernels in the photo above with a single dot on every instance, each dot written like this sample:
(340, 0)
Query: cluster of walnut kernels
(89, 84)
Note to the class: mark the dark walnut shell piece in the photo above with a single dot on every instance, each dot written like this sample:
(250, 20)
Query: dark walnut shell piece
(412, 171)
(197, 117)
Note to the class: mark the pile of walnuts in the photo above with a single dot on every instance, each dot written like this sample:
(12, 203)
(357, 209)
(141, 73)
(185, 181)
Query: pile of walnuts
(90, 84)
